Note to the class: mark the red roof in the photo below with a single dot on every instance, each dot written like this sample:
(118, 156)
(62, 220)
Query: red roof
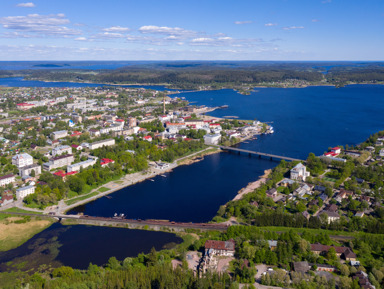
(215, 124)
(147, 137)
(76, 133)
(335, 148)
(25, 104)
(220, 245)
(120, 120)
(74, 146)
(63, 174)
(104, 162)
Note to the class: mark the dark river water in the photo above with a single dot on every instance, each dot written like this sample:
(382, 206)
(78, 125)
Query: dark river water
(79, 245)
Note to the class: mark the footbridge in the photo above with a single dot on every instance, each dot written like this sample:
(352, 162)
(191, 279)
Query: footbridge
(259, 154)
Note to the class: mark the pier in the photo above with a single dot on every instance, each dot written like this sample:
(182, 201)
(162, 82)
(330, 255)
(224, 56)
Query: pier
(260, 154)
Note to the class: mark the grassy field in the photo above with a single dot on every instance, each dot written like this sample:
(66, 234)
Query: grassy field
(17, 210)
(103, 190)
(72, 201)
(13, 234)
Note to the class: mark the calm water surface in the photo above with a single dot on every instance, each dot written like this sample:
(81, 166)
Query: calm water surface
(79, 245)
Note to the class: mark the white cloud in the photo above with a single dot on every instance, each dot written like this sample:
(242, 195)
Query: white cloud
(47, 25)
(28, 5)
(80, 39)
(270, 24)
(151, 29)
(293, 27)
(116, 29)
(243, 22)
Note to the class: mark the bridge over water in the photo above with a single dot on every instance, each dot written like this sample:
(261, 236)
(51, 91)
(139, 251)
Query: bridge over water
(260, 154)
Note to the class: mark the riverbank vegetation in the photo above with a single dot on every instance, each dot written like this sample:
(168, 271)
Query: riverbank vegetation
(14, 231)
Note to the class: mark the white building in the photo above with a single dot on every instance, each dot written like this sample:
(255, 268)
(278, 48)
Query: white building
(99, 144)
(58, 162)
(212, 139)
(65, 149)
(24, 191)
(27, 170)
(59, 134)
(299, 172)
(22, 160)
(84, 164)
(7, 179)
(382, 152)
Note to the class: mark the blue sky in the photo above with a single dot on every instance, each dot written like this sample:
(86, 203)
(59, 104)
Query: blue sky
(192, 30)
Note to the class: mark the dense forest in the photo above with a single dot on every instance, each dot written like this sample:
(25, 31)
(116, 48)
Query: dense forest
(192, 75)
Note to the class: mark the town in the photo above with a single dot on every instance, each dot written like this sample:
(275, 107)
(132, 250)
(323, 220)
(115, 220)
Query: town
(59, 143)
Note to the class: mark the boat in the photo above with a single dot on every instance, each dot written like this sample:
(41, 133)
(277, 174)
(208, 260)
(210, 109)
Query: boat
(151, 180)
(164, 176)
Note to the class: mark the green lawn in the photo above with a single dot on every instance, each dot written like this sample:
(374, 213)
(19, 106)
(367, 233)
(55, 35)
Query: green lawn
(103, 190)
(329, 179)
(72, 201)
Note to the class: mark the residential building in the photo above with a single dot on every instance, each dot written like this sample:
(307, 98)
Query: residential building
(212, 139)
(27, 170)
(7, 179)
(24, 191)
(58, 162)
(22, 160)
(84, 164)
(99, 144)
(220, 248)
(58, 151)
(59, 134)
(104, 162)
(299, 172)
(5, 200)
(332, 216)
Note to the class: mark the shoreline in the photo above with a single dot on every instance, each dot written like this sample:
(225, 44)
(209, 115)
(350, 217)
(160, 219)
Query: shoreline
(252, 186)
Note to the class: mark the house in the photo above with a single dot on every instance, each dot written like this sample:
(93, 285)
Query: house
(319, 249)
(5, 200)
(76, 147)
(359, 214)
(24, 191)
(22, 160)
(104, 162)
(76, 134)
(348, 255)
(325, 268)
(299, 172)
(147, 138)
(272, 244)
(272, 193)
(332, 208)
(220, 248)
(63, 174)
(7, 179)
(332, 216)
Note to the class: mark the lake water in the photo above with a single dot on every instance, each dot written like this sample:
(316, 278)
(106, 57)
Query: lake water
(305, 120)
(79, 245)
